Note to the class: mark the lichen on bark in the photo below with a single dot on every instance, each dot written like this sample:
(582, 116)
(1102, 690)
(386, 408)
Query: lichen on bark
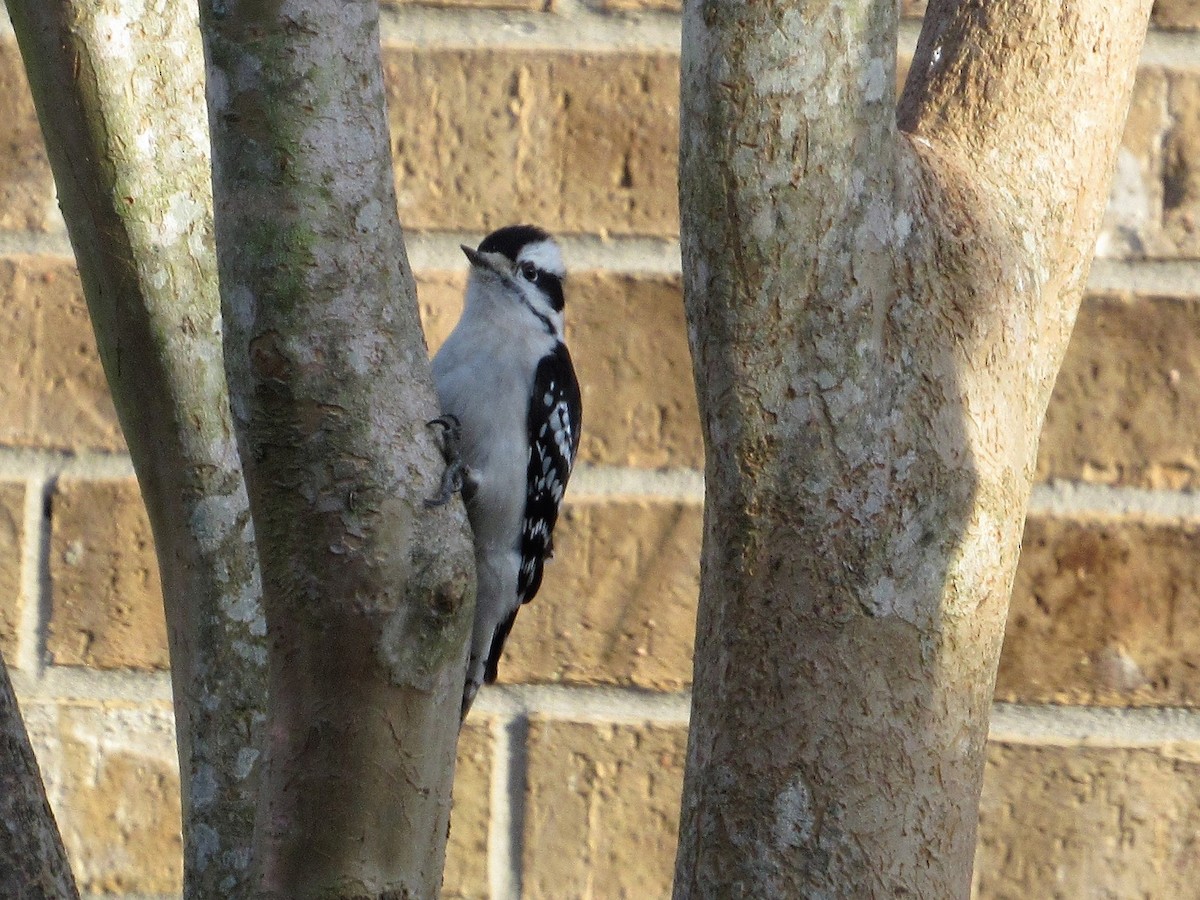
(368, 596)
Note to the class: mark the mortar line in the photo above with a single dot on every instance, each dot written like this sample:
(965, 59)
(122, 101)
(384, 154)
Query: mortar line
(591, 482)
(53, 684)
(1093, 726)
(571, 26)
(1166, 277)
(35, 243)
(1022, 723)
(45, 606)
(430, 251)
(576, 26)
(586, 703)
(500, 838)
(17, 463)
(441, 251)
(1068, 498)
(1012, 723)
(506, 824)
(34, 574)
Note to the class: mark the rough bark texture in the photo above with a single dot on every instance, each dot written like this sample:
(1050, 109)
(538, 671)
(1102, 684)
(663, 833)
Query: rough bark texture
(118, 87)
(33, 864)
(367, 595)
(876, 318)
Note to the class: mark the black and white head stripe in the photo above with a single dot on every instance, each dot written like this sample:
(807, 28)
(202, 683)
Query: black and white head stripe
(536, 257)
(512, 239)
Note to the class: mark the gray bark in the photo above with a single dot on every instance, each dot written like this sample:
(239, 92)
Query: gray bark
(367, 595)
(33, 863)
(876, 316)
(118, 86)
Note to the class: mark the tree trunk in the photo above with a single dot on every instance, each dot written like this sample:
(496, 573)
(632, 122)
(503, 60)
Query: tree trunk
(367, 594)
(118, 87)
(33, 863)
(877, 315)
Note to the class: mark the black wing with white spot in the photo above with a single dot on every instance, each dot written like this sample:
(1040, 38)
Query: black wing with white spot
(555, 415)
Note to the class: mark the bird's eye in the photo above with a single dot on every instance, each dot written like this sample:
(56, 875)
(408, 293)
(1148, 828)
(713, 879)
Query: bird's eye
(529, 271)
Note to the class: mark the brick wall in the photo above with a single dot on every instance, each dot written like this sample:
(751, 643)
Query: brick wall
(569, 773)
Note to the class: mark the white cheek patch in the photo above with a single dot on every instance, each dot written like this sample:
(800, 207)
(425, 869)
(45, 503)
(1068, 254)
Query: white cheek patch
(545, 255)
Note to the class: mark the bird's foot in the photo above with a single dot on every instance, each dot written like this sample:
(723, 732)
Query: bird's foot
(455, 475)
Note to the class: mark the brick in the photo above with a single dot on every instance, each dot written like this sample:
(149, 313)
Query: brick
(466, 874)
(1176, 14)
(12, 518)
(113, 781)
(618, 605)
(577, 142)
(1066, 822)
(1123, 408)
(602, 809)
(1181, 160)
(1104, 611)
(629, 343)
(26, 183)
(52, 389)
(105, 596)
(440, 300)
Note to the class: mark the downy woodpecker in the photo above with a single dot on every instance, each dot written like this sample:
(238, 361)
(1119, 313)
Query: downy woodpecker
(511, 416)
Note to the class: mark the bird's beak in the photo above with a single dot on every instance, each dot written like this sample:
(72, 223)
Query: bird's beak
(477, 259)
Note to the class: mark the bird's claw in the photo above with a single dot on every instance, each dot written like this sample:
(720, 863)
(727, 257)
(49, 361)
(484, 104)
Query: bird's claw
(454, 477)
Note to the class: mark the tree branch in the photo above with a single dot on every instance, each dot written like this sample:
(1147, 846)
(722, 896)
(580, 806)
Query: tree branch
(367, 594)
(119, 94)
(1049, 139)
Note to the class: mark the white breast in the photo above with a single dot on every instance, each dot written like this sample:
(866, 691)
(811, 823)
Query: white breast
(484, 373)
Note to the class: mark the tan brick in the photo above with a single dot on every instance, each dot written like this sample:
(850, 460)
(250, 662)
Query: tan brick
(12, 530)
(577, 142)
(1123, 408)
(1181, 162)
(1060, 823)
(618, 605)
(52, 388)
(466, 874)
(1181, 14)
(26, 184)
(440, 300)
(629, 343)
(601, 810)
(113, 780)
(106, 599)
(1104, 612)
